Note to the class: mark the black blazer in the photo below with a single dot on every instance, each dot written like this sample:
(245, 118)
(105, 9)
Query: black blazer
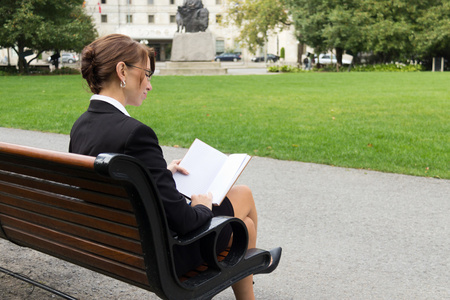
(104, 128)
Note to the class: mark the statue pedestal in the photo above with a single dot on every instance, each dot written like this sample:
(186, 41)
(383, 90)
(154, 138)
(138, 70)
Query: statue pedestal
(193, 53)
(193, 46)
(193, 68)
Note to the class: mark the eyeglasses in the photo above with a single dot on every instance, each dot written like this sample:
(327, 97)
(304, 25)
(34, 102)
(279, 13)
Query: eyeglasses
(148, 73)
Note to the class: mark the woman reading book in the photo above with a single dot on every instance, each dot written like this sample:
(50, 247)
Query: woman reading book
(118, 71)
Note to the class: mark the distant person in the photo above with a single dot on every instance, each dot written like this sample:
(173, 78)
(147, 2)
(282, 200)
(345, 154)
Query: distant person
(118, 71)
(306, 63)
(55, 59)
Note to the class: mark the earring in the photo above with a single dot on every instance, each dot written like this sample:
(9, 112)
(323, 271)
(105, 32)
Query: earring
(123, 84)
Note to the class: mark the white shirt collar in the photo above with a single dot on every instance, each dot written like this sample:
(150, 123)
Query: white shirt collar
(111, 101)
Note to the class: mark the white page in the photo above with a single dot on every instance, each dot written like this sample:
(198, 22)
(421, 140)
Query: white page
(202, 162)
(227, 176)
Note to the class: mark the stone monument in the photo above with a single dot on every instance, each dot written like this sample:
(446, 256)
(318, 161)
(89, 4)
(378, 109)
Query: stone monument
(193, 49)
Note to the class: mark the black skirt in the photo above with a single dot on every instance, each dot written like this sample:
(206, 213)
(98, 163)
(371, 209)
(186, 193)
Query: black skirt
(189, 257)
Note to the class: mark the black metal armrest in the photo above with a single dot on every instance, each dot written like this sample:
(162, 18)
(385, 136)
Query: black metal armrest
(208, 235)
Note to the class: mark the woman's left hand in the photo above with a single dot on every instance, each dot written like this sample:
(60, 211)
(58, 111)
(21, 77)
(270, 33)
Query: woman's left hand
(174, 167)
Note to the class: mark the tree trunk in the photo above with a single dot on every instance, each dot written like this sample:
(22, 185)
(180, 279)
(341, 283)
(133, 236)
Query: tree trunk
(339, 54)
(20, 50)
(23, 65)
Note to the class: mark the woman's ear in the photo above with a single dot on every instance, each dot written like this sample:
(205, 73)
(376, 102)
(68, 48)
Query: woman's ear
(121, 70)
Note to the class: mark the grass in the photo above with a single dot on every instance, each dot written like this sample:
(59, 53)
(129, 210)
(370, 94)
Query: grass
(391, 122)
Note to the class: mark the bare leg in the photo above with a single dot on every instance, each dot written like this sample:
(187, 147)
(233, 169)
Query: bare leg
(241, 198)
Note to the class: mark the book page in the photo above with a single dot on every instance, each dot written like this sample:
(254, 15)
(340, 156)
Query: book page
(203, 162)
(227, 176)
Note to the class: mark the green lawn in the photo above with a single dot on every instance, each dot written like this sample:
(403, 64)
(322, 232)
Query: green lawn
(392, 122)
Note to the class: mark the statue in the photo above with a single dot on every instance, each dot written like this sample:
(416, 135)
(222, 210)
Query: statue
(192, 16)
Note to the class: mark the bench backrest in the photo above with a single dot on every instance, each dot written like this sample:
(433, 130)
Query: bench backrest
(85, 210)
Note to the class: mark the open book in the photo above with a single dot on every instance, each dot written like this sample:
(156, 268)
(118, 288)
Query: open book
(209, 171)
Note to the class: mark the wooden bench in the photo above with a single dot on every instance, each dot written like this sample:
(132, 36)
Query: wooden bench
(105, 214)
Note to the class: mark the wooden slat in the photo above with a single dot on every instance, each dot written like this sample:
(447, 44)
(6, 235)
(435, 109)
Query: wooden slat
(68, 190)
(57, 213)
(68, 203)
(90, 261)
(105, 238)
(74, 242)
(85, 180)
(69, 159)
(56, 203)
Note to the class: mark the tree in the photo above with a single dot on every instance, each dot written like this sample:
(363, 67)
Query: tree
(330, 25)
(392, 30)
(44, 25)
(255, 18)
(432, 35)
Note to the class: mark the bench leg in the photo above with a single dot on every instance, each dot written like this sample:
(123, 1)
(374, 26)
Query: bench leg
(35, 283)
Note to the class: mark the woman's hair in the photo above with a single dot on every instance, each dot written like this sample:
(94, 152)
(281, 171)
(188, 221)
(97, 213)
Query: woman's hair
(99, 59)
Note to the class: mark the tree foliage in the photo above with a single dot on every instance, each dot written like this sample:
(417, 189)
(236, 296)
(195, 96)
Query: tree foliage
(255, 19)
(433, 36)
(44, 25)
(389, 29)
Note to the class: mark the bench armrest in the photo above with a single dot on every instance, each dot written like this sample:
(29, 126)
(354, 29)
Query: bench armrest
(208, 235)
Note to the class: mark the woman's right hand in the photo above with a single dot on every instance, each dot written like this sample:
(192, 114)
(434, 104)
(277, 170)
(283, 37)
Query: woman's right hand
(203, 199)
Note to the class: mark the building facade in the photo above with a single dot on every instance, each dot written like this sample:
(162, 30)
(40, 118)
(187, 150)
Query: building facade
(153, 22)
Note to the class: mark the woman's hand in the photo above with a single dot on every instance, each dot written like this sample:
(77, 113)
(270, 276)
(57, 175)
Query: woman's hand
(203, 199)
(174, 167)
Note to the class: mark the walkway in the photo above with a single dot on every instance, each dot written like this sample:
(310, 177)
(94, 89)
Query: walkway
(345, 233)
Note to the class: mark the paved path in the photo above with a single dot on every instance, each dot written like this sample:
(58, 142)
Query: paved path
(345, 233)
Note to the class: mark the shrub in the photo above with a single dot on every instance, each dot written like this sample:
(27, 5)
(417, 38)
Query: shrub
(284, 69)
(66, 71)
(289, 69)
(273, 69)
(8, 70)
(388, 68)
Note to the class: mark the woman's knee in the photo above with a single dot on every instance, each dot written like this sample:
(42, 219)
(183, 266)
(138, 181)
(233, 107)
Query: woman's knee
(241, 192)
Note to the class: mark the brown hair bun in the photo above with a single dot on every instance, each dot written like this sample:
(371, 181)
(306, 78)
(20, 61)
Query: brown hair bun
(99, 59)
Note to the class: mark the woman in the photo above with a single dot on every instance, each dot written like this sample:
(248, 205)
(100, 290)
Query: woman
(118, 71)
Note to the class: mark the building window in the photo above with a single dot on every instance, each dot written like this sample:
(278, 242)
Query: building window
(104, 18)
(172, 19)
(129, 18)
(150, 2)
(220, 46)
(218, 2)
(103, 1)
(172, 2)
(218, 18)
(151, 18)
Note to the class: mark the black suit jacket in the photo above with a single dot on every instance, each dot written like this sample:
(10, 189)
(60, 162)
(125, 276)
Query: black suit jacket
(105, 129)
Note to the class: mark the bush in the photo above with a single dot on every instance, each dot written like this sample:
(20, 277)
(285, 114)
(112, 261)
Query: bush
(8, 70)
(273, 69)
(12, 70)
(388, 68)
(66, 71)
(398, 67)
(284, 69)
(38, 71)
